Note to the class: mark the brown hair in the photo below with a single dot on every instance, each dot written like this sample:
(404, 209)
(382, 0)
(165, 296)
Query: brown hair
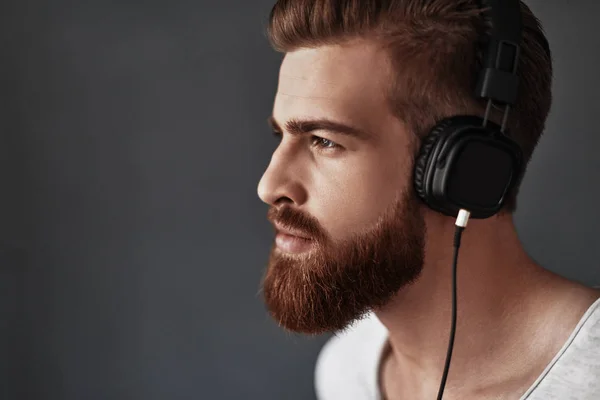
(435, 52)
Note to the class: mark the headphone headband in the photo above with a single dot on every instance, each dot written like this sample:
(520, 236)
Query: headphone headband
(498, 80)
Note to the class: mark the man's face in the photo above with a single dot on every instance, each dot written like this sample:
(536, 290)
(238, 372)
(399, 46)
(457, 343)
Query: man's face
(350, 194)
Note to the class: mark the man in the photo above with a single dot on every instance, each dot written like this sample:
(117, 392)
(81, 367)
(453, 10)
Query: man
(358, 254)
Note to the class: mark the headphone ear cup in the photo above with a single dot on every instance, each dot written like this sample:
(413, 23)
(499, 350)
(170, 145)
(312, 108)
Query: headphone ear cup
(462, 164)
(423, 160)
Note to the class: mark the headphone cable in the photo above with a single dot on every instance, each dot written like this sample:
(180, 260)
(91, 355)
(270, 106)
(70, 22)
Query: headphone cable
(461, 224)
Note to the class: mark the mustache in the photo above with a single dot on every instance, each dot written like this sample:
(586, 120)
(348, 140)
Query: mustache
(296, 220)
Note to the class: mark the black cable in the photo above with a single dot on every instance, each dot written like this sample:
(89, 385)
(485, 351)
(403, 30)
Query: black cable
(457, 236)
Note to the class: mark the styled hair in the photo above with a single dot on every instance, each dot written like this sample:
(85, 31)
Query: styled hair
(435, 52)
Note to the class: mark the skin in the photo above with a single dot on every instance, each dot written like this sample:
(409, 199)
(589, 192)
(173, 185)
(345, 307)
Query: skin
(514, 315)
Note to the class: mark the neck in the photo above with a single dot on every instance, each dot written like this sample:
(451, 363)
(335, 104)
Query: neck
(499, 289)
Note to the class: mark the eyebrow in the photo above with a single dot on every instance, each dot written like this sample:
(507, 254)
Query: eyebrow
(303, 126)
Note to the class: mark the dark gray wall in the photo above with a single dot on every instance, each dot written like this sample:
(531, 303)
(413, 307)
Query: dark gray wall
(132, 241)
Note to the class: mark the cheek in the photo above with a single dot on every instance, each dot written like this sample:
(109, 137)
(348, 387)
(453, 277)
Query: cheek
(359, 196)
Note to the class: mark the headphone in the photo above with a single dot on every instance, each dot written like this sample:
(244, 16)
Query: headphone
(467, 162)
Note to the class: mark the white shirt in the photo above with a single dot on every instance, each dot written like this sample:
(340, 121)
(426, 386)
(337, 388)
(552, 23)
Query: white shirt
(347, 367)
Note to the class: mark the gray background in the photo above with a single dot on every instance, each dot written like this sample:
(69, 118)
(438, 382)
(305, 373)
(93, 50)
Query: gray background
(132, 240)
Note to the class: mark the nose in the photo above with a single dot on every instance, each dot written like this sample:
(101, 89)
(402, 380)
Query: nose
(281, 180)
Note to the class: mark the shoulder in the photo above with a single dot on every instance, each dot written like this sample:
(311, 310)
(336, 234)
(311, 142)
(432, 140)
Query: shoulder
(583, 349)
(575, 370)
(347, 364)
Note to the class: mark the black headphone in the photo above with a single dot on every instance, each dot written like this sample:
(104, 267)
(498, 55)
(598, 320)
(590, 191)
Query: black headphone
(467, 162)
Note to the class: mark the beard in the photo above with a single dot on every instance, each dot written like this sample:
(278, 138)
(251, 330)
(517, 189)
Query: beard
(337, 282)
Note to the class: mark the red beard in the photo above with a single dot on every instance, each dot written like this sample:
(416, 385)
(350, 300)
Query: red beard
(336, 283)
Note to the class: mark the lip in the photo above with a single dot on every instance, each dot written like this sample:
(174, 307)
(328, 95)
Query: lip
(288, 232)
(293, 244)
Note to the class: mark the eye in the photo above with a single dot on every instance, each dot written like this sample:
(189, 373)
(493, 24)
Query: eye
(323, 143)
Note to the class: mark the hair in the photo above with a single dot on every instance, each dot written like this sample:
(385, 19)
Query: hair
(435, 52)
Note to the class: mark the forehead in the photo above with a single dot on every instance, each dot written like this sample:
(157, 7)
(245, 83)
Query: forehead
(347, 82)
